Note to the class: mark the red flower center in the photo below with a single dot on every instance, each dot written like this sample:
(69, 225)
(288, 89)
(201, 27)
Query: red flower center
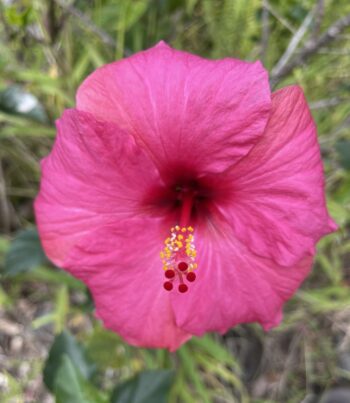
(185, 199)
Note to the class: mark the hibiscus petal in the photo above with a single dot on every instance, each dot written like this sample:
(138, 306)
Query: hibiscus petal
(95, 174)
(277, 206)
(121, 266)
(235, 286)
(185, 110)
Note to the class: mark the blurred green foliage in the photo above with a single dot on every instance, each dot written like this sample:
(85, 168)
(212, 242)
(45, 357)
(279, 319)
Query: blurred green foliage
(47, 48)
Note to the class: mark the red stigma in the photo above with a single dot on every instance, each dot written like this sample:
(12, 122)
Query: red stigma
(170, 274)
(168, 285)
(182, 266)
(183, 288)
(191, 276)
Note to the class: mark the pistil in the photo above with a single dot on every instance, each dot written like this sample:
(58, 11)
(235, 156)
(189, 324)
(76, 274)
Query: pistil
(179, 254)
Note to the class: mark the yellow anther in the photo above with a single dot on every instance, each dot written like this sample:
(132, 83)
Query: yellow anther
(179, 247)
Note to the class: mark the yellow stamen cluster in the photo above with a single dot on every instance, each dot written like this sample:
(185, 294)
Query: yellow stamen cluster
(179, 247)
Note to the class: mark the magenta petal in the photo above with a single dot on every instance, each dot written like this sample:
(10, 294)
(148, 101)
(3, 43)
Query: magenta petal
(234, 286)
(183, 109)
(95, 175)
(120, 265)
(278, 207)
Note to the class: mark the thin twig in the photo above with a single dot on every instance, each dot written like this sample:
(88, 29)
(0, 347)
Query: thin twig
(311, 47)
(54, 24)
(5, 219)
(289, 364)
(265, 31)
(340, 52)
(319, 13)
(279, 17)
(293, 44)
(326, 103)
(85, 20)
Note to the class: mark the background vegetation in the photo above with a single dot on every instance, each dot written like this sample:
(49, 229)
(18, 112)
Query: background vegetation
(46, 49)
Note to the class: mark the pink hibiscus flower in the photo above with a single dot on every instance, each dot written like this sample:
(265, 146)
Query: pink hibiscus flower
(184, 194)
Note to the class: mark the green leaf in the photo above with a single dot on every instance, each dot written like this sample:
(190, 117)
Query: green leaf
(55, 276)
(65, 343)
(25, 253)
(192, 374)
(343, 149)
(16, 101)
(135, 10)
(67, 384)
(19, 17)
(103, 348)
(146, 387)
(70, 387)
